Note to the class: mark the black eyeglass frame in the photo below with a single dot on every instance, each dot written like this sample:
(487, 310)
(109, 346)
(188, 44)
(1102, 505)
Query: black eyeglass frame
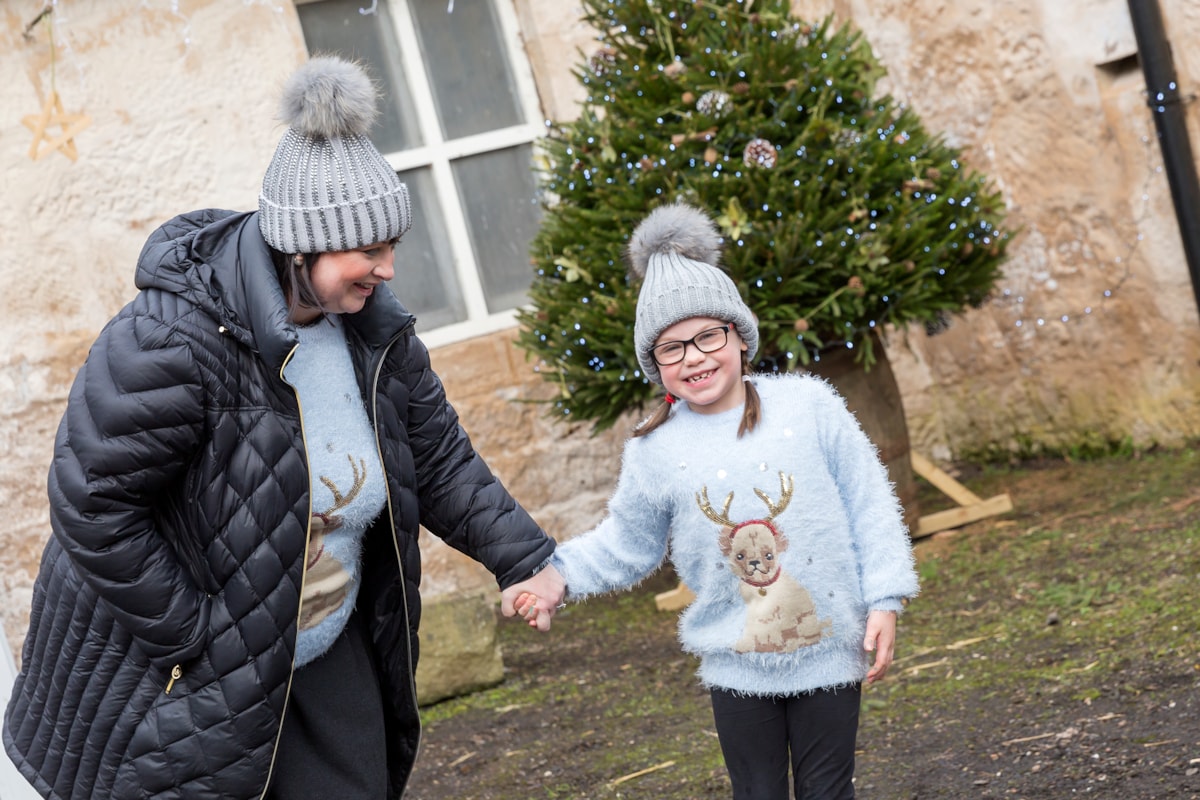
(726, 328)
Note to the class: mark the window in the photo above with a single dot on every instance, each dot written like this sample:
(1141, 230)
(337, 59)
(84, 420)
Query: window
(458, 120)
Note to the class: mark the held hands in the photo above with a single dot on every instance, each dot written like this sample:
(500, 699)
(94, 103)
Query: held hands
(881, 637)
(535, 599)
(526, 607)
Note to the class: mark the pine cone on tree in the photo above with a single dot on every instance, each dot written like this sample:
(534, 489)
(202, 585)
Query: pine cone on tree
(759, 153)
(602, 61)
(713, 104)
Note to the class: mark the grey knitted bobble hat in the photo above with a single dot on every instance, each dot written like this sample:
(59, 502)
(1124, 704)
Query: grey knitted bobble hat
(327, 187)
(675, 250)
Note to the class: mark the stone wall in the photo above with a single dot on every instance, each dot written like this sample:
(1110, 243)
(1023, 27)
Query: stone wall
(1034, 91)
(1094, 335)
(176, 123)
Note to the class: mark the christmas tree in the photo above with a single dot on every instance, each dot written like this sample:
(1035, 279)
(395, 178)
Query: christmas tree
(840, 213)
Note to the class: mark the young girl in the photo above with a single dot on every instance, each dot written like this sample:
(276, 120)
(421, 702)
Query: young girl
(776, 511)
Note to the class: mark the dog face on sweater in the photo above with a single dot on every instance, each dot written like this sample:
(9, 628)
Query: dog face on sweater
(753, 549)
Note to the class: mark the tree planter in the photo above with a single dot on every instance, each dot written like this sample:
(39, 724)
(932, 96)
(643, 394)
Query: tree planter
(874, 397)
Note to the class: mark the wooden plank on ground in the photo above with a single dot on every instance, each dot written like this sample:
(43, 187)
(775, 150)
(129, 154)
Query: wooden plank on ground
(942, 482)
(675, 599)
(963, 515)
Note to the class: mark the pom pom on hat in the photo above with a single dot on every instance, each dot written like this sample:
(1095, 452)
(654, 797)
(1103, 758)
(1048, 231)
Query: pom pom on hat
(680, 229)
(675, 250)
(327, 188)
(328, 97)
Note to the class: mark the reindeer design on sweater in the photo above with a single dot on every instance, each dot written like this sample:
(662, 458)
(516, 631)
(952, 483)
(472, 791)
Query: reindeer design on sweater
(780, 614)
(326, 578)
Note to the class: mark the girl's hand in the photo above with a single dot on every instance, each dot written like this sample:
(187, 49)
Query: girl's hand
(526, 606)
(881, 637)
(535, 599)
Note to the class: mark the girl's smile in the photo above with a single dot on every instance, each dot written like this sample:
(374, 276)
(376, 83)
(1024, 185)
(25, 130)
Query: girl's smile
(710, 382)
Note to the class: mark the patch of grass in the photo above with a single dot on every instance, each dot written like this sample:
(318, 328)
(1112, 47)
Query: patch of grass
(1055, 599)
(1085, 446)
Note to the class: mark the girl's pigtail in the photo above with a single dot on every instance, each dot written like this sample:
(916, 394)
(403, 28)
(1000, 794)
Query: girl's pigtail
(655, 420)
(751, 410)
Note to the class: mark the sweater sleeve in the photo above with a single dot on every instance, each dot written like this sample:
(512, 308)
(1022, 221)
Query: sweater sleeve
(132, 424)
(627, 545)
(880, 540)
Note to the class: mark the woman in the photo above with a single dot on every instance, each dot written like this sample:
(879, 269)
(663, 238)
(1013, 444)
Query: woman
(228, 607)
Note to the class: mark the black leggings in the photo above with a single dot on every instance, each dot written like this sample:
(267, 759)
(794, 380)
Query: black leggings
(815, 733)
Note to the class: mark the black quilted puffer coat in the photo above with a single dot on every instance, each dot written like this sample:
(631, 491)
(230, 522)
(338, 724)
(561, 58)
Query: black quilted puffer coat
(179, 498)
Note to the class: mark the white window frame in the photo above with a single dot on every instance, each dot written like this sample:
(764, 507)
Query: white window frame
(437, 153)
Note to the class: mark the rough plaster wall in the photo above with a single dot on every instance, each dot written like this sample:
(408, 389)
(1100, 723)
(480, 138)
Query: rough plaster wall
(173, 128)
(1072, 146)
(556, 40)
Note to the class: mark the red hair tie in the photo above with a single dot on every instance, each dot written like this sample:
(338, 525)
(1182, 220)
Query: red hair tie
(670, 398)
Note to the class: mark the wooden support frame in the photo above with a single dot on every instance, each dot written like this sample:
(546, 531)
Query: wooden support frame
(971, 508)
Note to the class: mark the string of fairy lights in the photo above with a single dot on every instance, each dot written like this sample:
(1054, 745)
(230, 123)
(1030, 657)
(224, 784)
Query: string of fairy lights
(1029, 321)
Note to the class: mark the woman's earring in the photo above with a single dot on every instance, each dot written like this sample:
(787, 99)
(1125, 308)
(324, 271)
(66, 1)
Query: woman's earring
(298, 260)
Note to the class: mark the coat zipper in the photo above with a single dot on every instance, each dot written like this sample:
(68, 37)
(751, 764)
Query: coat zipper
(303, 575)
(392, 532)
(374, 390)
(176, 674)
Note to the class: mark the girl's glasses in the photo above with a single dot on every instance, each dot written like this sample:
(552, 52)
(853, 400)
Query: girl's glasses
(709, 340)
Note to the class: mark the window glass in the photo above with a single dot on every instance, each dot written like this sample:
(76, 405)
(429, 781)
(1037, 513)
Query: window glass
(499, 196)
(425, 281)
(337, 26)
(468, 66)
(459, 70)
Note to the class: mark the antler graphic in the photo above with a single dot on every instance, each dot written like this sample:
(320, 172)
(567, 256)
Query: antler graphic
(786, 485)
(721, 519)
(328, 517)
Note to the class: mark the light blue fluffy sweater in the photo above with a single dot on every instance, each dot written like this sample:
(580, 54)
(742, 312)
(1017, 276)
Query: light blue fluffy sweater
(346, 478)
(779, 608)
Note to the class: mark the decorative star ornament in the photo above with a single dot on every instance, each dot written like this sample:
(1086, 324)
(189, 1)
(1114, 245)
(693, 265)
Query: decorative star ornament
(51, 116)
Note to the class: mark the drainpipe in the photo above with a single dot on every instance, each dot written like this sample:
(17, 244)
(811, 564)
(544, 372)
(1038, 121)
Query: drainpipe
(1162, 95)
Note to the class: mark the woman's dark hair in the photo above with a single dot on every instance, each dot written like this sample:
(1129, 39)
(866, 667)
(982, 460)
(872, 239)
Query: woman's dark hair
(751, 411)
(296, 279)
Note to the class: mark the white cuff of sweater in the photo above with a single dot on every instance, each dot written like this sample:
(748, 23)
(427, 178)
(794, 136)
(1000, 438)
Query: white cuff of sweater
(888, 604)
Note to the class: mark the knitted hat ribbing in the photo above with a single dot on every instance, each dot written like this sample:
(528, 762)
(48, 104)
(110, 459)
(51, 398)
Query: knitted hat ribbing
(327, 188)
(675, 250)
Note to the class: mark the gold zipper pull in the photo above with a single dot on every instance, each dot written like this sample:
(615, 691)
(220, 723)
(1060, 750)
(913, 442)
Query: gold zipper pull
(176, 674)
